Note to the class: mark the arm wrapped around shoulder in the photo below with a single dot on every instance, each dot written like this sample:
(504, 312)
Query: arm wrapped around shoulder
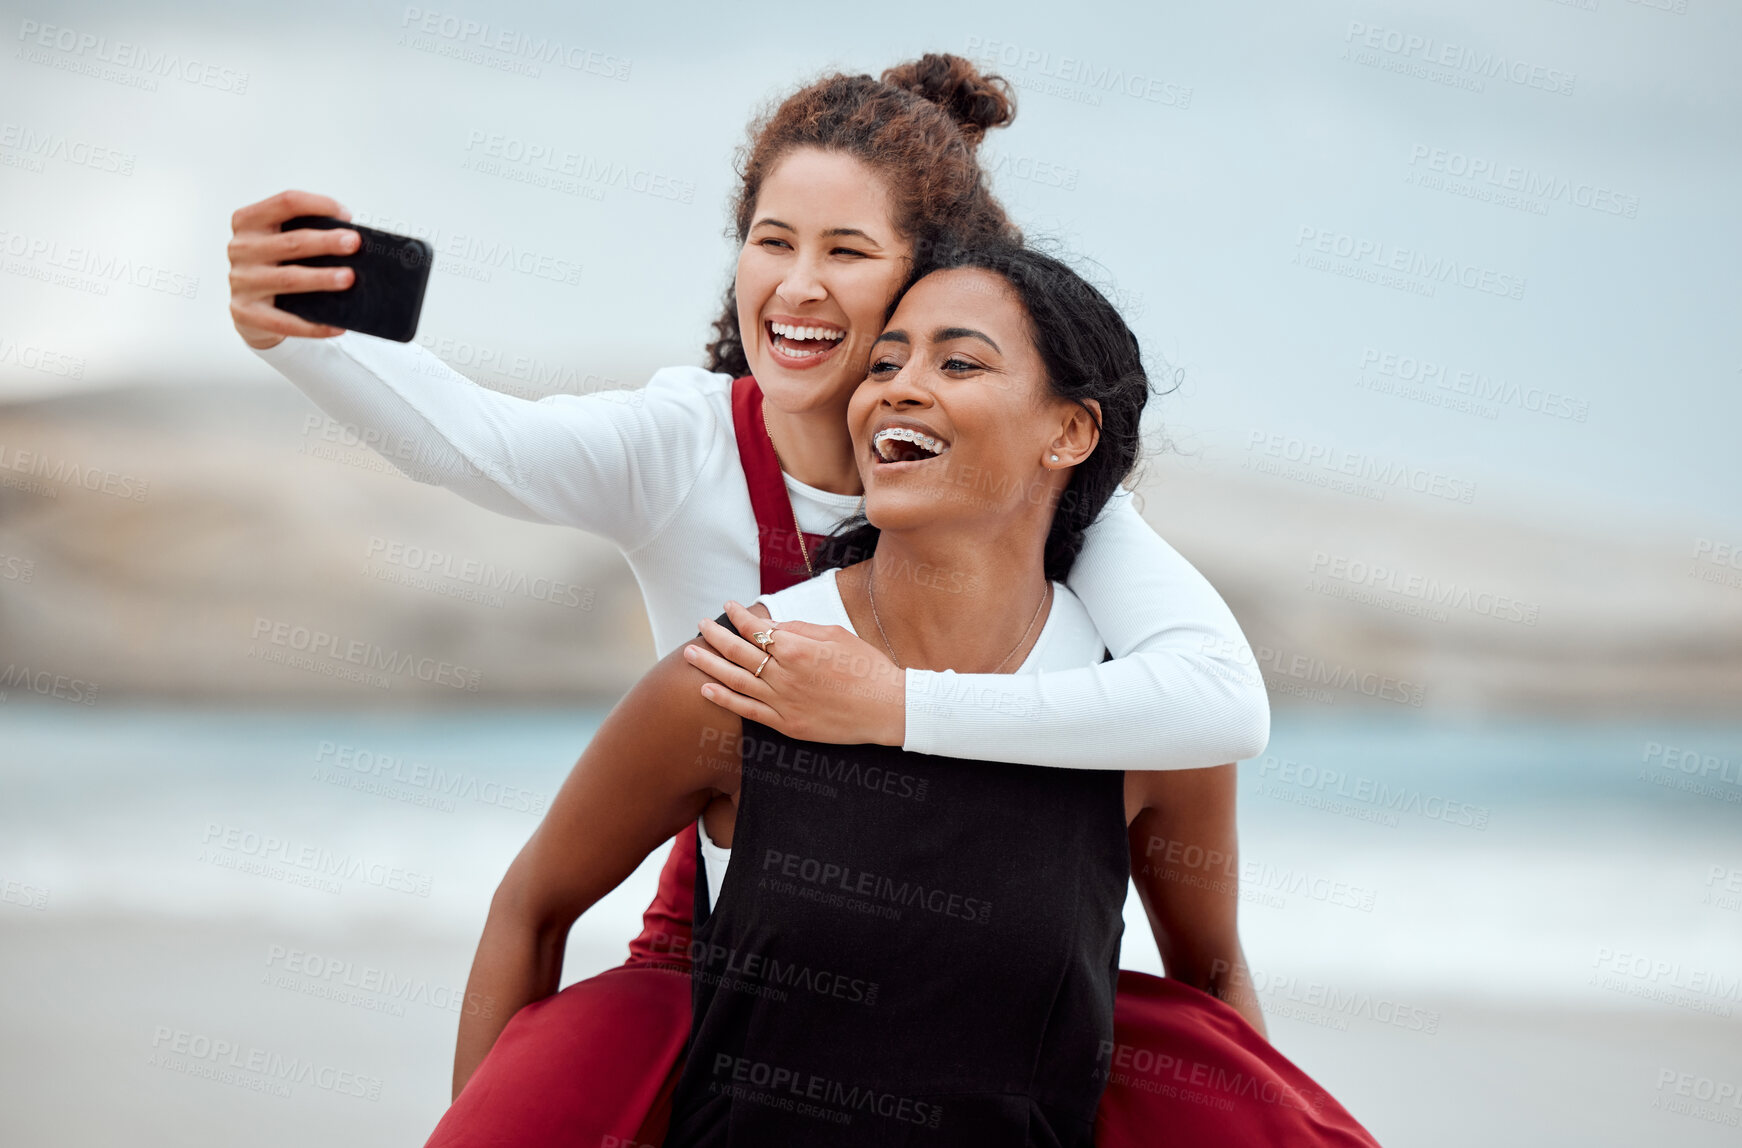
(1183, 690)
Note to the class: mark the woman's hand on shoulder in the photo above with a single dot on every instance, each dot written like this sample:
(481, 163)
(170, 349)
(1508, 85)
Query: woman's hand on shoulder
(820, 683)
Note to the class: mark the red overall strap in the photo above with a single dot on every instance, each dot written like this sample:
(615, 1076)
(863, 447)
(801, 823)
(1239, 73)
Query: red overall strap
(782, 561)
(622, 1033)
(666, 925)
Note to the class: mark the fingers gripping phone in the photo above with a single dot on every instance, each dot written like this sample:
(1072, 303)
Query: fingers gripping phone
(386, 293)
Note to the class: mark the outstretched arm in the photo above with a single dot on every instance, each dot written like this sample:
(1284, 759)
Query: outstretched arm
(649, 771)
(615, 463)
(1185, 860)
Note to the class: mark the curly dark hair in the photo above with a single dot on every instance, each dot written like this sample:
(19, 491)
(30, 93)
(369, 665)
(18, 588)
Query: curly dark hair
(921, 125)
(1089, 353)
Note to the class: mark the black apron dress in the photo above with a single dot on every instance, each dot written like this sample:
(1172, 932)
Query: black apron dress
(908, 950)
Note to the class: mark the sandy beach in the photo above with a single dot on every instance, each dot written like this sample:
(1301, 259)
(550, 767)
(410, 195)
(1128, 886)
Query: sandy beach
(96, 1005)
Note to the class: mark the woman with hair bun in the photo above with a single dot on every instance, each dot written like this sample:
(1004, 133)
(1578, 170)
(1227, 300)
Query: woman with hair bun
(924, 949)
(719, 482)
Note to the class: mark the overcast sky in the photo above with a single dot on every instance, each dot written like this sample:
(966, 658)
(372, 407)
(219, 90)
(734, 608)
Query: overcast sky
(1536, 199)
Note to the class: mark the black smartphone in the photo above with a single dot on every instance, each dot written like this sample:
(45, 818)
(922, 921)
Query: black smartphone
(385, 296)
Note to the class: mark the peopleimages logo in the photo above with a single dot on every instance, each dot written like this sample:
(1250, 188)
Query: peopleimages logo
(1379, 795)
(1689, 761)
(785, 1085)
(1718, 552)
(1370, 474)
(318, 972)
(416, 560)
(1319, 997)
(1073, 77)
(1195, 864)
(839, 878)
(1533, 185)
(101, 267)
(39, 145)
(393, 775)
(551, 158)
(1433, 591)
(134, 64)
(1477, 385)
(197, 1054)
(355, 651)
(1374, 256)
(1317, 671)
(96, 479)
(1692, 987)
(1475, 63)
(33, 357)
(223, 845)
(514, 45)
(1161, 1072)
(62, 687)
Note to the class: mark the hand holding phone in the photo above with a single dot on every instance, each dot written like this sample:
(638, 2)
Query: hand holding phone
(389, 275)
(274, 261)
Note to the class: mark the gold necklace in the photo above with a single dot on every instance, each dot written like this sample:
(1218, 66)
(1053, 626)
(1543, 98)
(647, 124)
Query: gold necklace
(871, 590)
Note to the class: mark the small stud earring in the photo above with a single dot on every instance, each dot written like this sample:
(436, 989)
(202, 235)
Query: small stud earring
(1055, 458)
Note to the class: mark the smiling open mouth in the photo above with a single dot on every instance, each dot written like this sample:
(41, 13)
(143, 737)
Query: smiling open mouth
(799, 341)
(902, 444)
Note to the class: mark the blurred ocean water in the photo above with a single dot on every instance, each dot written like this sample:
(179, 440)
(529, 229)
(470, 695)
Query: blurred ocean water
(1518, 861)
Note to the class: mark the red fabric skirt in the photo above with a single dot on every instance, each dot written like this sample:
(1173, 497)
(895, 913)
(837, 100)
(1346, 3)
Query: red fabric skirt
(595, 1065)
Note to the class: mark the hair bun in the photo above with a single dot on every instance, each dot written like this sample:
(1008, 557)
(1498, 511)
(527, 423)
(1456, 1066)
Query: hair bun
(976, 102)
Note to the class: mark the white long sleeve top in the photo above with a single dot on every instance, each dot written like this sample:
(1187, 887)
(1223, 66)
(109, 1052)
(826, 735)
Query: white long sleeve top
(1067, 639)
(657, 472)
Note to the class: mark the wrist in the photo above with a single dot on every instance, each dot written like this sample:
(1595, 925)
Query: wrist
(895, 731)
